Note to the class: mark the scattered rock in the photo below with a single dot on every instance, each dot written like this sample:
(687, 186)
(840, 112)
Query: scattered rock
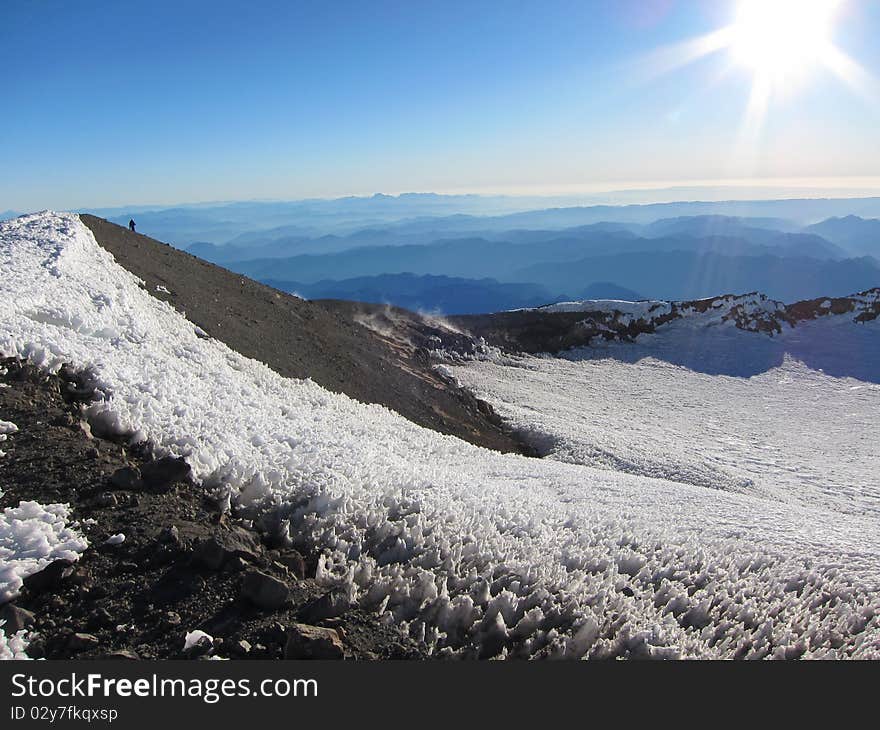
(63, 419)
(122, 654)
(100, 618)
(127, 566)
(58, 603)
(137, 600)
(127, 478)
(37, 649)
(49, 577)
(276, 633)
(175, 585)
(16, 618)
(312, 642)
(82, 642)
(264, 591)
(166, 547)
(236, 565)
(338, 624)
(96, 593)
(294, 562)
(106, 499)
(332, 604)
(213, 552)
(240, 648)
(170, 536)
(163, 473)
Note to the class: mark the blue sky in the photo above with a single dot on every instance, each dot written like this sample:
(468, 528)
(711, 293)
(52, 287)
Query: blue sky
(107, 103)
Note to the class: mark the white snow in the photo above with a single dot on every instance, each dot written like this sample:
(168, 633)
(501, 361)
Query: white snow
(474, 551)
(196, 637)
(626, 311)
(6, 427)
(748, 311)
(790, 433)
(13, 646)
(117, 539)
(31, 536)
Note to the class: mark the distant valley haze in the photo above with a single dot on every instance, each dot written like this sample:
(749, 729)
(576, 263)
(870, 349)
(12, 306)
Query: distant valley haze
(459, 254)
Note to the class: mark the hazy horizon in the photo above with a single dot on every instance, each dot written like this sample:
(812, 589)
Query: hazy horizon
(722, 191)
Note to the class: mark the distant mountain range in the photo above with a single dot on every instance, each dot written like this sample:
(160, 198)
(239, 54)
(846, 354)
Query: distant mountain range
(685, 257)
(221, 223)
(470, 253)
(856, 235)
(682, 274)
(449, 295)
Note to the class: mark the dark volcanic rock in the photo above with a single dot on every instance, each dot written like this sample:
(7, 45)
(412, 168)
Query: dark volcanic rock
(83, 642)
(313, 642)
(264, 591)
(240, 648)
(16, 618)
(128, 477)
(177, 584)
(105, 500)
(331, 605)
(100, 618)
(165, 472)
(294, 562)
(49, 577)
(122, 654)
(216, 550)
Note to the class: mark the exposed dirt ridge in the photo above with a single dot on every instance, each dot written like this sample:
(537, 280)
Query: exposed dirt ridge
(335, 344)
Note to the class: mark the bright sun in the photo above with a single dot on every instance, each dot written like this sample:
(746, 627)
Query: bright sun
(784, 44)
(777, 39)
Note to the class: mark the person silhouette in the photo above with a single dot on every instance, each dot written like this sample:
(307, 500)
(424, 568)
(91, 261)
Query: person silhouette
(131, 225)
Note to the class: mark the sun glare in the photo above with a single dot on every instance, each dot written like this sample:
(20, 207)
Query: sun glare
(783, 44)
(781, 38)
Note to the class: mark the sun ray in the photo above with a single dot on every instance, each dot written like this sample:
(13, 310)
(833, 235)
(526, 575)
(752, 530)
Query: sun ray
(781, 42)
(851, 73)
(670, 58)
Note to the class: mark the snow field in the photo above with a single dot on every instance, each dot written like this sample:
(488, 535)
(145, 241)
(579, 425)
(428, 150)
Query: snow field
(480, 554)
(32, 535)
(790, 434)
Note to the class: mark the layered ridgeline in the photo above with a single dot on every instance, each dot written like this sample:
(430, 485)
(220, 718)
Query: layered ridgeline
(465, 265)
(472, 551)
(557, 327)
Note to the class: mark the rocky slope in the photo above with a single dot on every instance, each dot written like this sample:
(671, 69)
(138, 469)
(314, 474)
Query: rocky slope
(180, 569)
(303, 339)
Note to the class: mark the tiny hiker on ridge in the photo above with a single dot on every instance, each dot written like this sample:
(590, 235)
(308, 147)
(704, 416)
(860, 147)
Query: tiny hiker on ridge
(131, 225)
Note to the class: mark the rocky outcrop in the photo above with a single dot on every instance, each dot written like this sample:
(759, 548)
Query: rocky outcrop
(184, 563)
(561, 327)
